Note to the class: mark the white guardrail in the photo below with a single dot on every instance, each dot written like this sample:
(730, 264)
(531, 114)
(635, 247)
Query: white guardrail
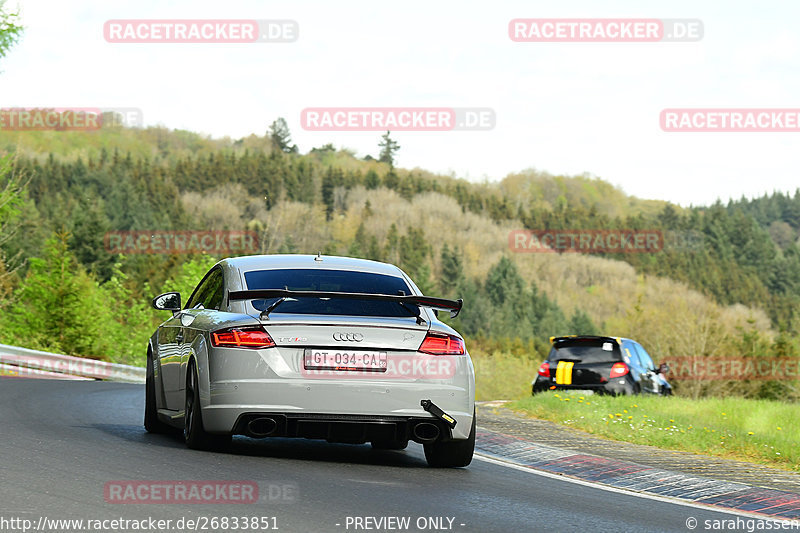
(26, 363)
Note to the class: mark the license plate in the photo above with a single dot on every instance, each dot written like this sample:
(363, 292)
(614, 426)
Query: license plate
(356, 360)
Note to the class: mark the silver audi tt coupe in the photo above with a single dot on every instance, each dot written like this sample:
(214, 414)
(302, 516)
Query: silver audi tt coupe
(334, 348)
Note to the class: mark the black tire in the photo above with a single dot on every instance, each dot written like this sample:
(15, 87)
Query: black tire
(194, 434)
(389, 444)
(451, 454)
(151, 422)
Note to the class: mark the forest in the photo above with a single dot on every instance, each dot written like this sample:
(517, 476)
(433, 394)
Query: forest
(725, 284)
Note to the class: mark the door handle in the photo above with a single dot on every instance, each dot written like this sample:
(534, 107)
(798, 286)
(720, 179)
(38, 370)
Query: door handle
(179, 337)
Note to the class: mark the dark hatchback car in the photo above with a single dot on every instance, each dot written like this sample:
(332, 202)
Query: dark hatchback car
(611, 365)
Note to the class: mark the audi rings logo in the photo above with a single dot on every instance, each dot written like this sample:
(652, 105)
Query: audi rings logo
(351, 337)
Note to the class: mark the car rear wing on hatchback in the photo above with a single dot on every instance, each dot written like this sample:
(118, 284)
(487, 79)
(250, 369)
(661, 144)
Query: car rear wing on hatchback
(564, 338)
(442, 304)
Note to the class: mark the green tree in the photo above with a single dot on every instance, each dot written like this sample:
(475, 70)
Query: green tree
(134, 320)
(372, 180)
(389, 148)
(391, 246)
(359, 247)
(11, 205)
(333, 177)
(452, 270)
(187, 277)
(391, 179)
(581, 324)
(281, 137)
(414, 258)
(10, 30)
(89, 228)
(288, 246)
(503, 282)
(58, 307)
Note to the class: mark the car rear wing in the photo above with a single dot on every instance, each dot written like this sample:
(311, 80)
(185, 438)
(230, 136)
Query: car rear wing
(563, 338)
(442, 304)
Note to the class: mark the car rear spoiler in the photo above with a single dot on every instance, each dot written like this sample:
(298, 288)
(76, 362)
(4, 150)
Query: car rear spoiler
(563, 338)
(443, 304)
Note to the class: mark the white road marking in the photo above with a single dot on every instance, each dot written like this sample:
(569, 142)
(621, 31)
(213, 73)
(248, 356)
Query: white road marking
(664, 499)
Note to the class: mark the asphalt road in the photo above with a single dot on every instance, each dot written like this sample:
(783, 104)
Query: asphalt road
(62, 444)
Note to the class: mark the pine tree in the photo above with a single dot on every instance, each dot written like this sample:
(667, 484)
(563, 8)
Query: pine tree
(58, 306)
(452, 269)
(389, 148)
(372, 180)
(390, 249)
(581, 324)
(281, 137)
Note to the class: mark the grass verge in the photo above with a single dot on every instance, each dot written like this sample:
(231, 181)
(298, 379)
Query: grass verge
(503, 376)
(761, 431)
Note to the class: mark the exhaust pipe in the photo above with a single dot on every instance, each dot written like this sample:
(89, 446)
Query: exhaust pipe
(426, 432)
(261, 427)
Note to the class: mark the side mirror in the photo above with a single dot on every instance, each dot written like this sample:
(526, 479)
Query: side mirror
(169, 301)
(663, 368)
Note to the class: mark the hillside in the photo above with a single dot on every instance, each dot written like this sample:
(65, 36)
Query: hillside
(733, 291)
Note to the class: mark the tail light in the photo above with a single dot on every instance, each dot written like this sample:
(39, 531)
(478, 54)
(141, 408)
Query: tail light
(544, 369)
(618, 370)
(442, 344)
(242, 338)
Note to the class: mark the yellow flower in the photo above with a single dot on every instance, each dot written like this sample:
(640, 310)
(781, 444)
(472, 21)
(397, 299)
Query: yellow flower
(779, 428)
(610, 416)
(624, 410)
(588, 403)
(630, 417)
(671, 420)
(581, 397)
(619, 415)
(723, 414)
(750, 433)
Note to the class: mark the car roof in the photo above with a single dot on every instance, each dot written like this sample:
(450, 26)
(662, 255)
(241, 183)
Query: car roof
(328, 262)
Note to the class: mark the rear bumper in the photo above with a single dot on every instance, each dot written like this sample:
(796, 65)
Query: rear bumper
(342, 410)
(621, 386)
(355, 429)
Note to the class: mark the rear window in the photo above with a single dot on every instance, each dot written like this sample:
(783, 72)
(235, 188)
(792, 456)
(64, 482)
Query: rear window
(331, 281)
(585, 351)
